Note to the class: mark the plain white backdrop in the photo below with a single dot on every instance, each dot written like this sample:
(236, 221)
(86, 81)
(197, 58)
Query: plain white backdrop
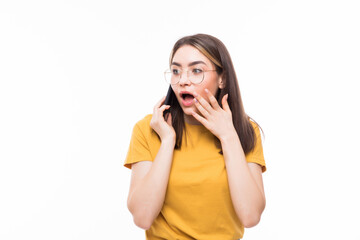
(75, 76)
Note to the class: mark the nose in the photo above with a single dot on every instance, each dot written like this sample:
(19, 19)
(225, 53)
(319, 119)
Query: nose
(184, 78)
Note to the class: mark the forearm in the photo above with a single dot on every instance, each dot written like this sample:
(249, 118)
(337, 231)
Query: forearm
(147, 198)
(246, 194)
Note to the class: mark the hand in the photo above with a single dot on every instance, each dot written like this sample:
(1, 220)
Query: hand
(163, 128)
(218, 120)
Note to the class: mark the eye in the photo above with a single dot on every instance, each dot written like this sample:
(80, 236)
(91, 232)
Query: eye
(175, 71)
(197, 71)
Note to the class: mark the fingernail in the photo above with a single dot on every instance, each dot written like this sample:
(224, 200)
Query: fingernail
(206, 90)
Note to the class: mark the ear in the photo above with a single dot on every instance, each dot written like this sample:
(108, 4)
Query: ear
(221, 82)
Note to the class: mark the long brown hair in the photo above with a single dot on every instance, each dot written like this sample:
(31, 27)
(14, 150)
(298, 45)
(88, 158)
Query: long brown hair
(217, 53)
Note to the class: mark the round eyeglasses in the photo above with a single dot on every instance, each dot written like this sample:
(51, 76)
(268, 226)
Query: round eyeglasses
(195, 75)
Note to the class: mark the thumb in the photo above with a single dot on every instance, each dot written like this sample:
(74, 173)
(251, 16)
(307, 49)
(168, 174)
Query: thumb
(225, 103)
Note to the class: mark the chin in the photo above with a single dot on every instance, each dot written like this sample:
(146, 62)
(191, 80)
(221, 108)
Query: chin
(188, 111)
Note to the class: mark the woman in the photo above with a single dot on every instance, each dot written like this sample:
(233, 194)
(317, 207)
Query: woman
(197, 161)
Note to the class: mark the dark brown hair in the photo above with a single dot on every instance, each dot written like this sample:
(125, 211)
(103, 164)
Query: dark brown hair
(217, 53)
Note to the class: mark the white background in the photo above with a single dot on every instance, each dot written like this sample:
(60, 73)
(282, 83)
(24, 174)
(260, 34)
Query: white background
(75, 76)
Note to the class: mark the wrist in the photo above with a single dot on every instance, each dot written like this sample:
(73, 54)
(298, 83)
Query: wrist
(230, 137)
(169, 140)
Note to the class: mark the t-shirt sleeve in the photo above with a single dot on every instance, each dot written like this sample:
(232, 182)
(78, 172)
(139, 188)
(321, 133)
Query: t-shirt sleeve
(257, 154)
(139, 148)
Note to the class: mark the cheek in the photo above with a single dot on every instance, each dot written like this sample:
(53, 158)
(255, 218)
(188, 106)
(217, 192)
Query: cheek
(211, 87)
(174, 90)
(211, 83)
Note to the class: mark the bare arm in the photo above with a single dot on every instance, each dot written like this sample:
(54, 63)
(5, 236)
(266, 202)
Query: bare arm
(148, 186)
(149, 180)
(245, 183)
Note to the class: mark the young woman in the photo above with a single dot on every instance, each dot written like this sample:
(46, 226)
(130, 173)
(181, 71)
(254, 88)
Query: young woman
(197, 161)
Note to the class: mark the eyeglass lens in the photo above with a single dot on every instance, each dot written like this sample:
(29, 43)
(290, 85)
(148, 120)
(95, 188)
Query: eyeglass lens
(194, 75)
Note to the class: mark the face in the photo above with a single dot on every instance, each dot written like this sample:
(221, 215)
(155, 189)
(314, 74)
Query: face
(188, 58)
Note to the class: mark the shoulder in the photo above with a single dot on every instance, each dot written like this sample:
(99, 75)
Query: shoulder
(255, 126)
(258, 134)
(257, 154)
(145, 122)
(253, 123)
(143, 142)
(143, 125)
(143, 128)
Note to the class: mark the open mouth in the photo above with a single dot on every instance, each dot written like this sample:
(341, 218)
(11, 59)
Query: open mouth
(187, 98)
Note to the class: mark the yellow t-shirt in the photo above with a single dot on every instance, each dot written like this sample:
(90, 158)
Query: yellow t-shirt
(197, 203)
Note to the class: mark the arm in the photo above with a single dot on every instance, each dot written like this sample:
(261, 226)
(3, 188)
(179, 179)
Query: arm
(245, 182)
(148, 186)
(149, 179)
(245, 179)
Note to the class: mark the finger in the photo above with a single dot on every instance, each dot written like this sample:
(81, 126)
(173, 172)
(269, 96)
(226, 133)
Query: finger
(163, 108)
(199, 118)
(159, 112)
(159, 103)
(225, 103)
(201, 109)
(214, 103)
(203, 103)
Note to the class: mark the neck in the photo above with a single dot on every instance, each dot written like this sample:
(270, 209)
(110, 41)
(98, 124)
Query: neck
(189, 119)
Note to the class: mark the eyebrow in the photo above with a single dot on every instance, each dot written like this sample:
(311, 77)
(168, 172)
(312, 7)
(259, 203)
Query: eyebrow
(190, 64)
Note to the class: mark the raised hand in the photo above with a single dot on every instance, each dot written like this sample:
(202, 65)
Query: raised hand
(163, 128)
(218, 120)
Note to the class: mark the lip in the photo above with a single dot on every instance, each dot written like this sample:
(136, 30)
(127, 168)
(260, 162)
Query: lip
(185, 92)
(183, 101)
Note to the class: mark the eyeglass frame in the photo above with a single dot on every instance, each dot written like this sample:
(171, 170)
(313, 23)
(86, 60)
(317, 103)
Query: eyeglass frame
(187, 75)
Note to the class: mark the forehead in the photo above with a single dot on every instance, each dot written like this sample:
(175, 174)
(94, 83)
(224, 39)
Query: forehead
(188, 54)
